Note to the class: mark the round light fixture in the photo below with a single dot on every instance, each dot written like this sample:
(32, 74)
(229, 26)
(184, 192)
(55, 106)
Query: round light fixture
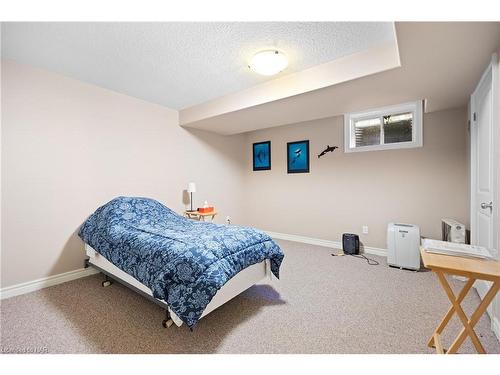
(268, 62)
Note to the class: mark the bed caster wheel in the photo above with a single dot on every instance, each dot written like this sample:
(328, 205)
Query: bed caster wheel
(167, 323)
(106, 283)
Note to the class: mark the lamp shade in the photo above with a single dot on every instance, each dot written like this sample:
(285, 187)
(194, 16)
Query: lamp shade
(191, 187)
(268, 62)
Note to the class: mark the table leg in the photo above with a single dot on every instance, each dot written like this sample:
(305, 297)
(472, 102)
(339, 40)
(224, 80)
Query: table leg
(451, 311)
(475, 317)
(460, 312)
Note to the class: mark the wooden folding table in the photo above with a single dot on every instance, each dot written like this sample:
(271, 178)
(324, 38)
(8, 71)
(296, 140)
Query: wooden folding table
(474, 269)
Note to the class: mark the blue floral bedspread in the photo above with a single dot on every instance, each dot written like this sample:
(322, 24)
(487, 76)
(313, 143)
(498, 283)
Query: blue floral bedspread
(183, 262)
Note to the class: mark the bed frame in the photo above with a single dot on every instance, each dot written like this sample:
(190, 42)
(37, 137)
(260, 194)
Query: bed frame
(240, 282)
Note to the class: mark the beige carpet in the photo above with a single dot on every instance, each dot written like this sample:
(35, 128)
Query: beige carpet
(323, 304)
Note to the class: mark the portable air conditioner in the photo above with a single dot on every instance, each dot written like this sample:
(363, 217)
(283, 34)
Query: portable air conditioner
(403, 246)
(452, 231)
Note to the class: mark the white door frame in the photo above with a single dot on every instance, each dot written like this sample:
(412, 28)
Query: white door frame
(483, 286)
(491, 69)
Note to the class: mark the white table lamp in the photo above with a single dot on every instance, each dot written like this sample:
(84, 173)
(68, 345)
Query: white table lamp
(191, 189)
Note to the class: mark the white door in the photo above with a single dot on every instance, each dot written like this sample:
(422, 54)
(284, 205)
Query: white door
(482, 161)
(482, 172)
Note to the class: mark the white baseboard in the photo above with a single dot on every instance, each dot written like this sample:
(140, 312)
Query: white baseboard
(45, 282)
(496, 327)
(482, 288)
(325, 243)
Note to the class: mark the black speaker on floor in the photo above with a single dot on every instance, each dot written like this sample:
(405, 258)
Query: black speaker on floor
(350, 243)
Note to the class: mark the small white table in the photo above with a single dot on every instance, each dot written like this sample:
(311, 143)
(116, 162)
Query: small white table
(200, 216)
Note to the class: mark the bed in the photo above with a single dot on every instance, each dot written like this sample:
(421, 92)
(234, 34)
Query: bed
(188, 267)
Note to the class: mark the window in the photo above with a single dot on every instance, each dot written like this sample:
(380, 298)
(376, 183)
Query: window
(398, 126)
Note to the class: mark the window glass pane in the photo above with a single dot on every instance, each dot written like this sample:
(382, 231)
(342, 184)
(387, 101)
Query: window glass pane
(398, 128)
(367, 132)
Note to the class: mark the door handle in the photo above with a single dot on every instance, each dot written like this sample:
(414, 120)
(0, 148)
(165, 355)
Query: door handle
(486, 205)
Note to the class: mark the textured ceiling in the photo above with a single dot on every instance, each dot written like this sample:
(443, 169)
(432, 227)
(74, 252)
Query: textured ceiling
(441, 62)
(181, 64)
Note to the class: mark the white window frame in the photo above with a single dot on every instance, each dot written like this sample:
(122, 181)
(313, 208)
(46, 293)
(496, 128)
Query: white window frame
(417, 129)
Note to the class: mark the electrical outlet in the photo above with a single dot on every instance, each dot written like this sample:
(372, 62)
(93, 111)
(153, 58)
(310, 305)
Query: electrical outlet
(228, 220)
(365, 229)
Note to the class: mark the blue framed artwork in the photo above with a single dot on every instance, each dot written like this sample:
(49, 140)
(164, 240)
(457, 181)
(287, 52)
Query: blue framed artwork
(262, 156)
(297, 156)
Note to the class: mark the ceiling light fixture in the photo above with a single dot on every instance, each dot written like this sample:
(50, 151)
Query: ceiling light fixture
(268, 62)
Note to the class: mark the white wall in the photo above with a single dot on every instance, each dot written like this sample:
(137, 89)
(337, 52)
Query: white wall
(345, 191)
(69, 147)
